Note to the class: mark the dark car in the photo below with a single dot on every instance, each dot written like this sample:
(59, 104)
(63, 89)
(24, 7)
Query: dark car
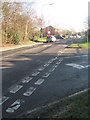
(59, 37)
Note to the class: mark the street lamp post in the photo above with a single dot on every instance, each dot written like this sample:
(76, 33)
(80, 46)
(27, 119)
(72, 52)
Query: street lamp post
(42, 15)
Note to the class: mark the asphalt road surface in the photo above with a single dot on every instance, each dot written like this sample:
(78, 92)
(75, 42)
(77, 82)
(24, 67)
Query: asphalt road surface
(33, 77)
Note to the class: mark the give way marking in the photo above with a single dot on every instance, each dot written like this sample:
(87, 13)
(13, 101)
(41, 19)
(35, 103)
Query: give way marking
(77, 65)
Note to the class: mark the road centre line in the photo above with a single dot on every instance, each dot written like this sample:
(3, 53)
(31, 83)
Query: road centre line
(41, 68)
(26, 79)
(14, 106)
(46, 75)
(4, 99)
(15, 88)
(29, 91)
(35, 74)
(46, 65)
(39, 81)
(51, 70)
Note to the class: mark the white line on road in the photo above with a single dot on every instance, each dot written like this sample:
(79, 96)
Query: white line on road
(15, 88)
(4, 99)
(14, 106)
(76, 65)
(26, 79)
(41, 68)
(35, 74)
(29, 91)
(39, 81)
(51, 70)
(46, 75)
(46, 65)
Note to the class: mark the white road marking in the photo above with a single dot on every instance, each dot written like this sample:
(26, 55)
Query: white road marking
(57, 63)
(50, 61)
(87, 66)
(4, 99)
(75, 65)
(61, 59)
(16, 88)
(77, 56)
(14, 106)
(9, 55)
(41, 68)
(51, 70)
(29, 91)
(46, 75)
(47, 45)
(46, 65)
(26, 79)
(39, 81)
(55, 66)
(35, 74)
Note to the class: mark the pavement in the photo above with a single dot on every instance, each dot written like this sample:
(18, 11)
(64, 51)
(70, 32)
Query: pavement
(2, 49)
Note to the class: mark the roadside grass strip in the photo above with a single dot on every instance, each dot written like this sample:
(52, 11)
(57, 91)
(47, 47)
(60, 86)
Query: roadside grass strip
(29, 91)
(75, 106)
(4, 99)
(15, 106)
(39, 81)
(15, 88)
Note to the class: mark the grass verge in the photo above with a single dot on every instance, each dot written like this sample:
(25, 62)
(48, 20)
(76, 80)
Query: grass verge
(72, 107)
(82, 45)
(41, 39)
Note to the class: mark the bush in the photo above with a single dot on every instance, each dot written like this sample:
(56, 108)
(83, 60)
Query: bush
(16, 39)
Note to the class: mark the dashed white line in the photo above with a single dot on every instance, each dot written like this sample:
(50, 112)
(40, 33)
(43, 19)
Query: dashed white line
(41, 68)
(46, 65)
(35, 74)
(39, 81)
(46, 75)
(16, 88)
(29, 91)
(51, 70)
(4, 99)
(26, 79)
(14, 106)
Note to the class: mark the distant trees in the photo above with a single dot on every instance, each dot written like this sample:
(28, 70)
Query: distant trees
(18, 23)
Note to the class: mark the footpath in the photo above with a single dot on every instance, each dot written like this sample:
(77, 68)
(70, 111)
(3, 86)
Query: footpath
(2, 49)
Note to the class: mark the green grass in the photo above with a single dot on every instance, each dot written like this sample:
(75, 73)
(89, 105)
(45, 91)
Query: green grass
(82, 45)
(42, 39)
(73, 107)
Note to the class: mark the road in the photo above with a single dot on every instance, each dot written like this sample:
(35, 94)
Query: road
(33, 77)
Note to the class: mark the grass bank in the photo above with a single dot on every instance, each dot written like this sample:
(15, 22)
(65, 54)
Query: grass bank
(82, 45)
(72, 107)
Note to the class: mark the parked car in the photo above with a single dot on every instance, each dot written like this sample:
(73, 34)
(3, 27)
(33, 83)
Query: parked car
(59, 37)
(51, 38)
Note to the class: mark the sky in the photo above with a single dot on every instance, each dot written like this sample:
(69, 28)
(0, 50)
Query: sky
(68, 14)
(64, 14)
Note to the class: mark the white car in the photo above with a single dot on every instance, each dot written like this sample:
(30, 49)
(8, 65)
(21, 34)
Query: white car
(51, 38)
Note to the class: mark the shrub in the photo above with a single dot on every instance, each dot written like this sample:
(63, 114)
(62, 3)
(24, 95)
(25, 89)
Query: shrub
(16, 39)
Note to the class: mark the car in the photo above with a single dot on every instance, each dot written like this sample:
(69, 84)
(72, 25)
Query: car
(59, 37)
(51, 38)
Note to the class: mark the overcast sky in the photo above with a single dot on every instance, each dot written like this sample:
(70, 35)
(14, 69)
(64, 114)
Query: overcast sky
(62, 13)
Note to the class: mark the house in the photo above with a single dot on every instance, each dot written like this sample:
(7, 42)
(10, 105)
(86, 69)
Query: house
(48, 29)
